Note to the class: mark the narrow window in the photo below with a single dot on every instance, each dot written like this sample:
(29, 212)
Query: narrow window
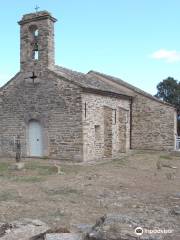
(114, 116)
(34, 41)
(97, 132)
(35, 51)
(36, 55)
(85, 109)
(36, 33)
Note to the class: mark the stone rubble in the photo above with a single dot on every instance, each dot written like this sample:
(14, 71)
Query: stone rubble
(63, 236)
(22, 230)
(107, 227)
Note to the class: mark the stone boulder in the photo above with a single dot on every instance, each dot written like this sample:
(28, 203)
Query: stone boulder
(64, 236)
(22, 230)
(118, 227)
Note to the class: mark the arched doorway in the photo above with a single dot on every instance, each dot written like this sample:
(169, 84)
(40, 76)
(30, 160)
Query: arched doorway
(35, 138)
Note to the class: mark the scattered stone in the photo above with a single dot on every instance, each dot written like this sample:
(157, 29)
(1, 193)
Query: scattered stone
(83, 228)
(108, 227)
(57, 169)
(177, 195)
(4, 228)
(175, 211)
(119, 227)
(17, 166)
(169, 166)
(41, 236)
(63, 236)
(23, 230)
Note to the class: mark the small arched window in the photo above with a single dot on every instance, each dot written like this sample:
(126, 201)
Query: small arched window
(34, 41)
(34, 30)
(36, 33)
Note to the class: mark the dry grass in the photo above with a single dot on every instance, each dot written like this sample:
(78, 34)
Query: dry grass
(84, 192)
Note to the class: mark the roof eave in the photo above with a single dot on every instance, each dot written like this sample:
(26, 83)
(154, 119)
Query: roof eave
(131, 87)
(106, 93)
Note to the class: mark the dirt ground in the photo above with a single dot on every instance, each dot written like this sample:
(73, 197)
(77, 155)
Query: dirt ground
(145, 183)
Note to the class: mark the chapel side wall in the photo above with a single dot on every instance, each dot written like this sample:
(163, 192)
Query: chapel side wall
(55, 103)
(153, 124)
(1, 119)
(93, 115)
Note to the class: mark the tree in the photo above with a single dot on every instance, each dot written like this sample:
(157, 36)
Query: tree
(169, 91)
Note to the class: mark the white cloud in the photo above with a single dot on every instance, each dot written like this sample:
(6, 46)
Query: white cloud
(167, 55)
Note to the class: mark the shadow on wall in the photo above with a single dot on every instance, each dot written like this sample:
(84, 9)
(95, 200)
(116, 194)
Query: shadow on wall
(178, 126)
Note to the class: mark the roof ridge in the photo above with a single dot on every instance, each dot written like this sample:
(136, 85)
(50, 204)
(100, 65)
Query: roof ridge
(86, 81)
(118, 80)
(130, 86)
(69, 70)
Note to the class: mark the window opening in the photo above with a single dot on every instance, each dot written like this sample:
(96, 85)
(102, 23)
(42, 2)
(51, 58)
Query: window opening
(114, 116)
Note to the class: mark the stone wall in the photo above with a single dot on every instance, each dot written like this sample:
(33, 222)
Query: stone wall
(55, 103)
(76, 125)
(124, 127)
(153, 124)
(108, 134)
(44, 23)
(100, 126)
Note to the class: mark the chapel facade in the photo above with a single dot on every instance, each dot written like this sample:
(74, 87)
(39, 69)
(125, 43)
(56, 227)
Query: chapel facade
(63, 114)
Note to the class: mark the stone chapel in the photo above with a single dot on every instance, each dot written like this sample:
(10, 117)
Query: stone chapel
(63, 114)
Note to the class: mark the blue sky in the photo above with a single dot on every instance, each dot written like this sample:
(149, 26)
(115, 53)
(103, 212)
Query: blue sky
(136, 40)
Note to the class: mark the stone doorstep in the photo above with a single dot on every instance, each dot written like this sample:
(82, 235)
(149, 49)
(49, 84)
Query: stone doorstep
(64, 236)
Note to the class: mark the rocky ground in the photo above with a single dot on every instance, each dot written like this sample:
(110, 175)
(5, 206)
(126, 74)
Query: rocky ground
(138, 190)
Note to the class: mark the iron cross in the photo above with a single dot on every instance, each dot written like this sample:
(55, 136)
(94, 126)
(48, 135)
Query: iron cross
(33, 77)
(36, 8)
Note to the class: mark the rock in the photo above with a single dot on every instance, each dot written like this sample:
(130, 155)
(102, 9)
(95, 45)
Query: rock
(4, 227)
(17, 166)
(177, 195)
(23, 230)
(175, 211)
(63, 236)
(118, 227)
(82, 228)
(37, 222)
(58, 230)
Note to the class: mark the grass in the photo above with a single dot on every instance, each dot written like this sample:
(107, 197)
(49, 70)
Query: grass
(37, 171)
(121, 161)
(3, 168)
(27, 179)
(71, 169)
(165, 157)
(41, 169)
(8, 195)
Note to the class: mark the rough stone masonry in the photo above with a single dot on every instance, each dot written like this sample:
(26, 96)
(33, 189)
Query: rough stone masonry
(64, 114)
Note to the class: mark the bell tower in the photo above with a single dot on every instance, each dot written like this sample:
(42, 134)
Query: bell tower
(37, 41)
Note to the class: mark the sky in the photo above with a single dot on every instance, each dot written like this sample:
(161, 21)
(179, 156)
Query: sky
(135, 40)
